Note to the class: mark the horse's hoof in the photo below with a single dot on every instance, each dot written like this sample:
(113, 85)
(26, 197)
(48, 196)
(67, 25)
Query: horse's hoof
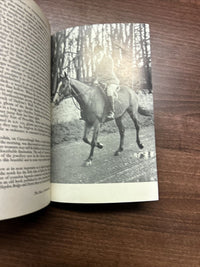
(88, 163)
(141, 146)
(99, 145)
(116, 153)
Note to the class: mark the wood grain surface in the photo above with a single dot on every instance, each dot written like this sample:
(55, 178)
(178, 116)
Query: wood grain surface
(163, 233)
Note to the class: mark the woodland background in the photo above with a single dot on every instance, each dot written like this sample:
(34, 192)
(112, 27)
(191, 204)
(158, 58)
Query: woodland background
(128, 44)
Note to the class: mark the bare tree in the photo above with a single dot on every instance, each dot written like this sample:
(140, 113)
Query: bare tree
(58, 47)
(128, 44)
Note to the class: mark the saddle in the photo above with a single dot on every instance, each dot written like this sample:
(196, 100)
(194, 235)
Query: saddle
(103, 88)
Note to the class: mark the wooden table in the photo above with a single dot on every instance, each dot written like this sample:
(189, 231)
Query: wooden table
(163, 233)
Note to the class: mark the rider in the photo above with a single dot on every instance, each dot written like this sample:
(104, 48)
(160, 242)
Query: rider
(105, 75)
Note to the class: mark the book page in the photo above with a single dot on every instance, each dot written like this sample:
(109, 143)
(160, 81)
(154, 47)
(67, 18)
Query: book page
(103, 141)
(24, 108)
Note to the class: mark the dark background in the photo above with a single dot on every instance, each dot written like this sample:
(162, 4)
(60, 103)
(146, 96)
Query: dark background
(163, 233)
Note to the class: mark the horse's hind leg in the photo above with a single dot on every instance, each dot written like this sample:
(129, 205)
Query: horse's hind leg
(121, 132)
(137, 127)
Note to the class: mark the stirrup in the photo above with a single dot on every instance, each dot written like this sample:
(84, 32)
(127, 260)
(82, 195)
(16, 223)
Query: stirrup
(81, 118)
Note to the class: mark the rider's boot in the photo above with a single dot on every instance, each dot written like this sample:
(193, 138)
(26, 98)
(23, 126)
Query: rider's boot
(111, 114)
(82, 116)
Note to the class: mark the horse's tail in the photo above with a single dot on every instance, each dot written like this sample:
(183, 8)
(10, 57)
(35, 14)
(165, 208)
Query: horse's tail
(145, 112)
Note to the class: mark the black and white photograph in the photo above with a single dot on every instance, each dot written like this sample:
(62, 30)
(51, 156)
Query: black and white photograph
(102, 105)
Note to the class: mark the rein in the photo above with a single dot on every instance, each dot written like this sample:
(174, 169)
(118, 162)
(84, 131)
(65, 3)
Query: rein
(72, 94)
(75, 103)
(73, 97)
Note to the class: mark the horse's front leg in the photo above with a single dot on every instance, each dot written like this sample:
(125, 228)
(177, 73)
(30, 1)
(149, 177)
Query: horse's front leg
(93, 143)
(85, 137)
(86, 133)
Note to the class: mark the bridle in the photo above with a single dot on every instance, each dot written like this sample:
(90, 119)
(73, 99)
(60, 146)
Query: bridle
(72, 93)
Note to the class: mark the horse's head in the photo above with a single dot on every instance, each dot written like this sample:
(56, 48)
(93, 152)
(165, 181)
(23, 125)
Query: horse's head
(64, 89)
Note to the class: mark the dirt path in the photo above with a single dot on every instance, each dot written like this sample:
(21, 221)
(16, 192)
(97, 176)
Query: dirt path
(132, 165)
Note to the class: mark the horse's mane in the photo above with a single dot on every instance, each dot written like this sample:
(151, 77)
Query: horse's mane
(87, 87)
(91, 88)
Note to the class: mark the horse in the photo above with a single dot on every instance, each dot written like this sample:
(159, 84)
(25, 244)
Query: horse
(94, 106)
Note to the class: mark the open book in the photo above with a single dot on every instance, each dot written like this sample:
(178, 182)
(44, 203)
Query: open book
(76, 108)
